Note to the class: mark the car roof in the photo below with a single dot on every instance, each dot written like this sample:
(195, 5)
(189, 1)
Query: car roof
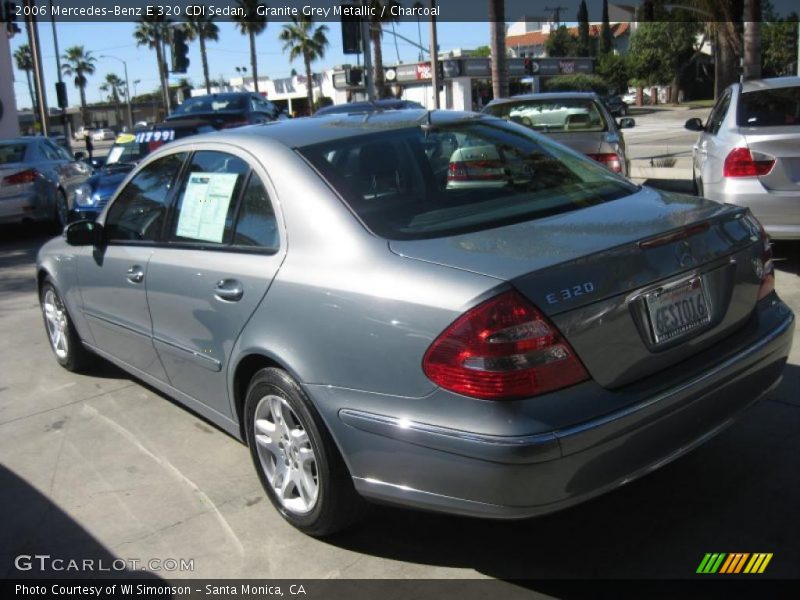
(306, 131)
(754, 85)
(364, 106)
(28, 139)
(546, 96)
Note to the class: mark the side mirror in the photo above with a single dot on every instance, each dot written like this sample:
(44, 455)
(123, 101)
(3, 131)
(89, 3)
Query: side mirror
(84, 233)
(80, 155)
(694, 124)
(627, 123)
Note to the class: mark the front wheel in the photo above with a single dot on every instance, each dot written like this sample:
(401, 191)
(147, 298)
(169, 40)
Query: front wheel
(295, 457)
(64, 339)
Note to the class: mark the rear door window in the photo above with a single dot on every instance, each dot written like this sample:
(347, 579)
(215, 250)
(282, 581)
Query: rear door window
(769, 108)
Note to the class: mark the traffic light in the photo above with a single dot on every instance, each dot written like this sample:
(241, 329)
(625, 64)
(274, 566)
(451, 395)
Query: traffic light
(440, 71)
(353, 76)
(61, 94)
(351, 32)
(10, 17)
(180, 50)
(528, 66)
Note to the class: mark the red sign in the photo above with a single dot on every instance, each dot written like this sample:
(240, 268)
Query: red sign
(424, 71)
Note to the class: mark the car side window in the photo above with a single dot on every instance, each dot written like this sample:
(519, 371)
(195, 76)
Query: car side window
(138, 212)
(49, 151)
(717, 115)
(256, 225)
(206, 205)
(263, 106)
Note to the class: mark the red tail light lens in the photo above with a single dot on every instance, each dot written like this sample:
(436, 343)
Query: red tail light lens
(609, 159)
(476, 170)
(742, 162)
(27, 176)
(502, 349)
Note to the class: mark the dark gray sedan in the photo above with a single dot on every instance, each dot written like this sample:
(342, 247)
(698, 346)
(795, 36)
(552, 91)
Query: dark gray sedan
(441, 310)
(37, 176)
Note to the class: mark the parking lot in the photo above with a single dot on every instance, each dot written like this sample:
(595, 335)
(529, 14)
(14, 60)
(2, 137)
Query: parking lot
(101, 466)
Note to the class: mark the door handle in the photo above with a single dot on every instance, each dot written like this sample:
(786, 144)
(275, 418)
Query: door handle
(229, 290)
(135, 274)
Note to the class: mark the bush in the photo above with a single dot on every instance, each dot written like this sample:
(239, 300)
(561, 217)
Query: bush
(576, 83)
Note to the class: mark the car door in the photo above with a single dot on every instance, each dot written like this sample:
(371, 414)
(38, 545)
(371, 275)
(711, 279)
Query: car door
(709, 151)
(113, 276)
(222, 253)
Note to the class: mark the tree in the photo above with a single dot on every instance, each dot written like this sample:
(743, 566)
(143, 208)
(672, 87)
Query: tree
(613, 69)
(482, 52)
(661, 51)
(115, 87)
(302, 40)
(779, 46)
(152, 32)
(583, 47)
(79, 63)
(561, 43)
(382, 13)
(579, 82)
(497, 42)
(251, 24)
(606, 37)
(203, 29)
(752, 39)
(24, 61)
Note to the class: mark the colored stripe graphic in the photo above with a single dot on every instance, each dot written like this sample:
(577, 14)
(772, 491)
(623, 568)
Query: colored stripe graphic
(758, 563)
(711, 562)
(733, 563)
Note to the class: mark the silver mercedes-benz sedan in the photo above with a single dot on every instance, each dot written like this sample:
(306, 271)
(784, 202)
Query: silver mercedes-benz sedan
(579, 120)
(322, 290)
(748, 152)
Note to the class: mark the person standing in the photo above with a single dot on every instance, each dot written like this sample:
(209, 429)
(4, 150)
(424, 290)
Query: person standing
(87, 138)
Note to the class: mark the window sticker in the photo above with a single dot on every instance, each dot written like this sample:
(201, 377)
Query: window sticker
(205, 206)
(114, 155)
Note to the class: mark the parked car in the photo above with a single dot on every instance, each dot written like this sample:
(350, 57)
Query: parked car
(367, 107)
(36, 176)
(317, 289)
(630, 98)
(80, 133)
(224, 111)
(576, 119)
(748, 152)
(88, 199)
(616, 106)
(101, 135)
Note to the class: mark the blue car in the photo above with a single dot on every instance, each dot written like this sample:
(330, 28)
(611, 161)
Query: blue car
(88, 199)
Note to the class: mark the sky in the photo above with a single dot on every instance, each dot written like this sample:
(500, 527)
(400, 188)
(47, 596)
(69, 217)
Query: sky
(232, 50)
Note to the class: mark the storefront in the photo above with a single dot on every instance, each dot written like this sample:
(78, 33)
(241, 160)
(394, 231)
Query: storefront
(467, 82)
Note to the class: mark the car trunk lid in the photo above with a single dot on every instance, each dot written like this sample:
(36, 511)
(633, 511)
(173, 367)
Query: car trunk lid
(603, 273)
(782, 144)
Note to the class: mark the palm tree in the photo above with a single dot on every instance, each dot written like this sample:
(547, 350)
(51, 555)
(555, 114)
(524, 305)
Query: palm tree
(202, 28)
(251, 24)
(302, 39)
(24, 60)
(79, 63)
(115, 88)
(382, 11)
(153, 32)
(497, 37)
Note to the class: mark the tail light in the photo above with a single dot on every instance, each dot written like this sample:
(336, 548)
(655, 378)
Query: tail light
(608, 159)
(743, 162)
(763, 265)
(476, 170)
(502, 349)
(27, 176)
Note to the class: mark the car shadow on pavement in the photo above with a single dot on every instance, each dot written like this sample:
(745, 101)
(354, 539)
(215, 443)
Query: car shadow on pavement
(34, 526)
(737, 493)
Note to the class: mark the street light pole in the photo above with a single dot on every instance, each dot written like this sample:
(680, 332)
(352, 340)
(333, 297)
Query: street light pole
(127, 88)
(434, 57)
(38, 75)
(64, 119)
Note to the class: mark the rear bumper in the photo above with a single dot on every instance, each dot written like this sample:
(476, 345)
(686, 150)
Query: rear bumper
(26, 206)
(776, 210)
(410, 463)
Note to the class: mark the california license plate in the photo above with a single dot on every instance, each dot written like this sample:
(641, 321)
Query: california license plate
(677, 309)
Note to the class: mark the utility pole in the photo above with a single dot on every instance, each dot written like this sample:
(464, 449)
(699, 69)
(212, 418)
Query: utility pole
(64, 119)
(366, 46)
(556, 10)
(434, 57)
(33, 36)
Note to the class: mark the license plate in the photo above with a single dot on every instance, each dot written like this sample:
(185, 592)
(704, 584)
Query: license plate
(677, 309)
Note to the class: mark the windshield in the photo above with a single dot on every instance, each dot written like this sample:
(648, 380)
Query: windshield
(12, 153)
(567, 114)
(411, 185)
(769, 108)
(213, 103)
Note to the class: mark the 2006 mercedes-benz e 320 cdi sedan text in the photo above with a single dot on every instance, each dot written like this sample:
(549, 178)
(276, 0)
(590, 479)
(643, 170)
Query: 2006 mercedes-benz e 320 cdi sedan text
(439, 310)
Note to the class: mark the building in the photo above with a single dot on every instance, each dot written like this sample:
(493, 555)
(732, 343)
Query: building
(523, 42)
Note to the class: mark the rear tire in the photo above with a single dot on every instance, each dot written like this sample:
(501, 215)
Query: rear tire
(61, 217)
(64, 339)
(295, 457)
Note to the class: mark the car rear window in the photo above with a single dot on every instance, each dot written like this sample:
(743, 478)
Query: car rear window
(413, 184)
(12, 153)
(545, 115)
(769, 108)
(213, 103)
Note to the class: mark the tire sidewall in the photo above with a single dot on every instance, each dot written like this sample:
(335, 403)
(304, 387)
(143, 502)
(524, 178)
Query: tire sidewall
(69, 361)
